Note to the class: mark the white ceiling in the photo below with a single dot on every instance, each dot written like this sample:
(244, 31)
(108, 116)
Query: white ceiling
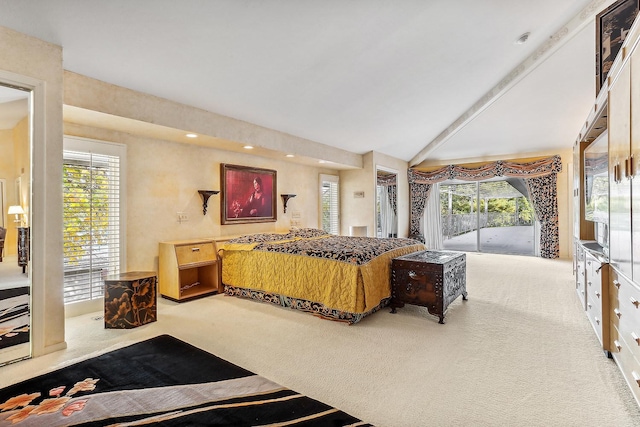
(393, 76)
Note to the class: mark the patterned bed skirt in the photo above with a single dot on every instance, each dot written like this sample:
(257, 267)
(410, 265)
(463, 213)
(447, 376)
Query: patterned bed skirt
(315, 308)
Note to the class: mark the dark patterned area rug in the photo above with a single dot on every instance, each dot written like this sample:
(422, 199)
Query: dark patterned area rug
(160, 381)
(14, 316)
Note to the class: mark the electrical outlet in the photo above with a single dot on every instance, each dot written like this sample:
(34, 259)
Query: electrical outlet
(182, 217)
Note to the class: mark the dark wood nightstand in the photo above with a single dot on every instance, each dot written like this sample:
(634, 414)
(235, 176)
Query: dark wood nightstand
(432, 279)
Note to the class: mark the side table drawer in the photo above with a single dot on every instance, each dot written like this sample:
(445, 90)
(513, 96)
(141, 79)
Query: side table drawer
(195, 254)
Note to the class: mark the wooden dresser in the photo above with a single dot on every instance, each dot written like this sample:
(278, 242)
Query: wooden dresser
(624, 318)
(432, 279)
(188, 269)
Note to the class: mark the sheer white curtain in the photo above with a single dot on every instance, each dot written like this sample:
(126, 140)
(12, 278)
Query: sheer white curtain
(432, 220)
(387, 218)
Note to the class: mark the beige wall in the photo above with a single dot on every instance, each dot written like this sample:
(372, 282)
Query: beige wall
(15, 163)
(37, 65)
(7, 172)
(22, 165)
(358, 211)
(165, 183)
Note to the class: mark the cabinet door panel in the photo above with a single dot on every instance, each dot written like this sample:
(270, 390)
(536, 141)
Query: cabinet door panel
(634, 163)
(620, 186)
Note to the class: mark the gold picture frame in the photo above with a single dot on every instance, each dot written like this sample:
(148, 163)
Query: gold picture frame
(248, 194)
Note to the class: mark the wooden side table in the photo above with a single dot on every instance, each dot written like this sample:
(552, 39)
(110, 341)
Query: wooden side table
(188, 269)
(432, 279)
(130, 299)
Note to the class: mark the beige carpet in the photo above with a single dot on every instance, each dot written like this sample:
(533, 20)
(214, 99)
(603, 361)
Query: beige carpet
(519, 352)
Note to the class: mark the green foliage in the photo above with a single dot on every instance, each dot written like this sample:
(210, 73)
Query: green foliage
(496, 197)
(86, 210)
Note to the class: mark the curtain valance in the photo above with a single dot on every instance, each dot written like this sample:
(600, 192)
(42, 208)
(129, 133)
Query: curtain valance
(535, 169)
(538, 175)
(385, 180)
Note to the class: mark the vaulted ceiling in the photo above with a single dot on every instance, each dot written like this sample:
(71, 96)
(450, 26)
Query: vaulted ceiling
(418, 80)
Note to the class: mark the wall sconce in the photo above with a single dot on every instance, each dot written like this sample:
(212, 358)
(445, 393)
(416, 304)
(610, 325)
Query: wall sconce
(205, 198)
(17, 211)
(285, 199)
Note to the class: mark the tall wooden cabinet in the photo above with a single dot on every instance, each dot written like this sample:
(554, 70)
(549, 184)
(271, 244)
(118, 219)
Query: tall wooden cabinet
(619, 182)
(633, 165)
(188, 269)
(621, 291)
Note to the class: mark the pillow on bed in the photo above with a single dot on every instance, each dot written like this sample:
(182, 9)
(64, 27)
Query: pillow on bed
(306, 233)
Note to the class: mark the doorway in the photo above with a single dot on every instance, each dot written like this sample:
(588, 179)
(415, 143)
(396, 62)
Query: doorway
(494, 216)
(386, 202)
(15, 201)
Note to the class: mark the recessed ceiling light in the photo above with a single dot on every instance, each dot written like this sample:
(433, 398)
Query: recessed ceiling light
(523, 38)
(290, 155)
(248, 147)
(191, 135)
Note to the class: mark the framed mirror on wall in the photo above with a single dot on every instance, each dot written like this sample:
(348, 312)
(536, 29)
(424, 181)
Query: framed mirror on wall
(15, 176)
(386, 202)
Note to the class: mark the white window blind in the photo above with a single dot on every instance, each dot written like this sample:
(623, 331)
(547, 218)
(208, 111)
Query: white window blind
(329, 197)
(92, 221)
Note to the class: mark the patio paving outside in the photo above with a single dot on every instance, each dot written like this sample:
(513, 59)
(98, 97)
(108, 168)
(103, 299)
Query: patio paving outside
(517, 240)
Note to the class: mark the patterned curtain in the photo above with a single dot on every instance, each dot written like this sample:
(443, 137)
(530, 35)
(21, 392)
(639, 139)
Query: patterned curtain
(390, 181)
(392, 191)
(540, 173)
(418, 198)
(544, 198)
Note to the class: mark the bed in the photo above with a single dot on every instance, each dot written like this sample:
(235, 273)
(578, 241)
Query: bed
(340, 278)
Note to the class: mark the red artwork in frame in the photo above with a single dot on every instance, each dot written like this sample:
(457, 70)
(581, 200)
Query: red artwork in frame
(248, 194)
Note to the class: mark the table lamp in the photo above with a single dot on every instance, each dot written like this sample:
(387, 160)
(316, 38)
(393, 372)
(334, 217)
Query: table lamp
(17, 211)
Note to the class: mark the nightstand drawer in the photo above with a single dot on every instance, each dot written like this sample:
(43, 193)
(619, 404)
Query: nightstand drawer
(198, 253)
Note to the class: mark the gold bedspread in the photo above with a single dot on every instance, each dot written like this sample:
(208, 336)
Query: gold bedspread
(338, 272)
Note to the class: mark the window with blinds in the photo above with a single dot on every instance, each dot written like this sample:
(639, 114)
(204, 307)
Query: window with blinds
(329, 197)
(92, 219)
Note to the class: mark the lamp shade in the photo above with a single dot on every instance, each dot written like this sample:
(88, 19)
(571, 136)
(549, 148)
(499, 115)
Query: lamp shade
(15, 210)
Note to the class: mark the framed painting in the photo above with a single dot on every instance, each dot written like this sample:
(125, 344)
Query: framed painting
(612, 26)
(248, 194)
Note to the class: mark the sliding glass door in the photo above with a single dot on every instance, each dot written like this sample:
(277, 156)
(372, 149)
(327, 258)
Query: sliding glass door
(490, 216)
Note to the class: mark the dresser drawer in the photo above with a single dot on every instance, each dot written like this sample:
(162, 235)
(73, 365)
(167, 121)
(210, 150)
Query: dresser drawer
(628, 364)
(194, 254)
(625, 315)
(594, 313)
